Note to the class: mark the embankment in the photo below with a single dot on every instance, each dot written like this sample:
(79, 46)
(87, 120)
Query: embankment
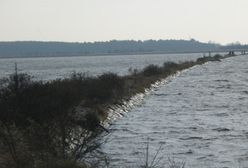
(49, 124)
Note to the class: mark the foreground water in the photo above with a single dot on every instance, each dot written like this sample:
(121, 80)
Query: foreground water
(49, 68)
(199, 117)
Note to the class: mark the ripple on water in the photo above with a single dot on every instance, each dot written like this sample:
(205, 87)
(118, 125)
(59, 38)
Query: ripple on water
(199, 117)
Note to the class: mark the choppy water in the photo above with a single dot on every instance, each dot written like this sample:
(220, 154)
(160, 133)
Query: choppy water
(200, 117)
(59, 67)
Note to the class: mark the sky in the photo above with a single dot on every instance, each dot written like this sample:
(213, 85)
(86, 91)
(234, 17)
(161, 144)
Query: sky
(220, 21)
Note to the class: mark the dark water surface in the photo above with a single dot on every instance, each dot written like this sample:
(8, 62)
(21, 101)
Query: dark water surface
(200, 117)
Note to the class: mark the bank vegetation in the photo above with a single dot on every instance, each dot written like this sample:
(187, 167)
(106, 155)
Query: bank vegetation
(58, 123)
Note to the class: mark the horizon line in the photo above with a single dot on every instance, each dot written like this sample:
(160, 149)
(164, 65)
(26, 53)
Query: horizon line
(102, 41)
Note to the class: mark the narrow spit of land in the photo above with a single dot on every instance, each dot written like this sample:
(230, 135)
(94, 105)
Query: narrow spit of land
(58, 123)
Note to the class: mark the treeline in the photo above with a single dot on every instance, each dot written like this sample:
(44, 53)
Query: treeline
(58, 123)
(40, 49)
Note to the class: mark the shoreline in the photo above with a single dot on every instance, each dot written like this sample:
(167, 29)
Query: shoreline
(62, 120)
(114, 54)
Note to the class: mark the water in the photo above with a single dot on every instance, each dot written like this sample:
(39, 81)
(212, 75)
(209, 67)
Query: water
(59, 67)
(199, 117)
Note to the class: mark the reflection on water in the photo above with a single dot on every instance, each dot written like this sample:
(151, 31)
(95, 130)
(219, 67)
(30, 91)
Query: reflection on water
(199, 117)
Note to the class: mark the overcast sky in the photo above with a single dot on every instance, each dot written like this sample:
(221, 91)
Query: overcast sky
(222, 21)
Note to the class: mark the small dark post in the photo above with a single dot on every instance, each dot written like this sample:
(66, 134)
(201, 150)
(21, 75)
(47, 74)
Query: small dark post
(16, 80)
(16, 69)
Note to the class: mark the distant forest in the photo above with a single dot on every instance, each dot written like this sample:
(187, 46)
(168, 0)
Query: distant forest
(46, 49)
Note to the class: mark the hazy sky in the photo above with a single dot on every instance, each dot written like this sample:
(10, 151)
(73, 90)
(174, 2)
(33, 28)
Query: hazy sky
(221, 21)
